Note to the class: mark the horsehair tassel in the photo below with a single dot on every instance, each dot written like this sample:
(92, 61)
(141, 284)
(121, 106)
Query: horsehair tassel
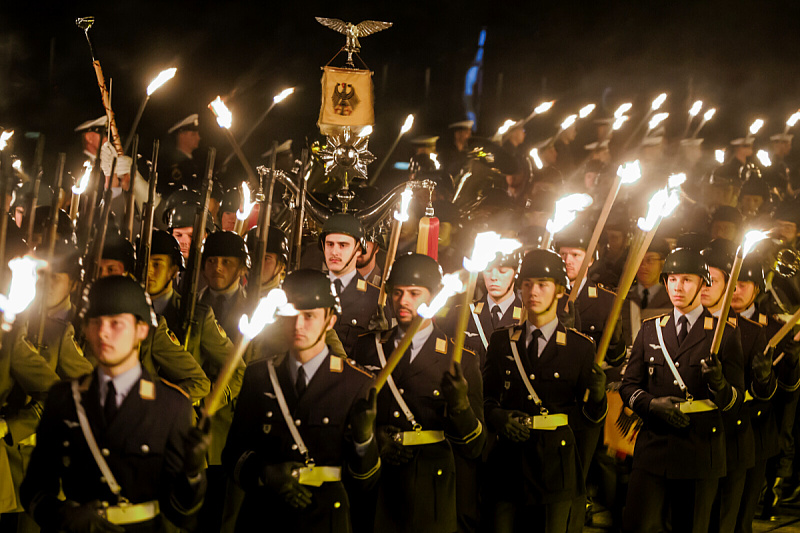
(428, 238)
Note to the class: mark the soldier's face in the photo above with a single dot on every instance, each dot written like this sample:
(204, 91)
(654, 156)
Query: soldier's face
(682, 290)
(58, 288)
(650, 269)
(339, 250)
(539, 295)
(227, 220)
(364, 259)
(711, 296)
(184, 236)
(271, 267)
(499, 281)
(743, 295)
(308, 328)
(111, 267)
(573, 257)
(115, 339)
(723, 230)
(160, 273)
(222, 271)
(751, 203)
(786, 230)
(405, 301)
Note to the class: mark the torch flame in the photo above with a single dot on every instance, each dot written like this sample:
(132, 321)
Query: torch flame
(505, 127)
(657, 119)
(268, 307)
(618, 122)
(22, 290)
(630, 172)
(4, 137)
(407, 125)
(281, 96)
(365, 131)
(569, 121)
(567, 209)
(544, 107)
(676, 180)
(696, 107)
(435, 160)
(763, 157)
(242, 214)
(662, 203)
(163, 77)
(401, 215)
(708, 115)
(17, 165)
(658, 102)
(791, 122)
(756, 125)
(451, 285)
(536, 159)
(621, 110)
(586, 111)
(223, 114)
(487, 245)
(751, 238)
(80, 187)
(719, 155)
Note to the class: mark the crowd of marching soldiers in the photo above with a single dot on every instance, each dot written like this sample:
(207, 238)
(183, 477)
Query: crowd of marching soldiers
(104, 385)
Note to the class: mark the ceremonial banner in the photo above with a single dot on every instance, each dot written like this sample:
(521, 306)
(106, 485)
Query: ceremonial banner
(347, 99)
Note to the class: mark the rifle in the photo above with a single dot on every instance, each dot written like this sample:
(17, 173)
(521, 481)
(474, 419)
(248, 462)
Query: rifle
(147, 223)
(189, 288)
(37, 180)
(130, 204)
(5, 185)
(297, 236)
(99, 240)
(264, 215)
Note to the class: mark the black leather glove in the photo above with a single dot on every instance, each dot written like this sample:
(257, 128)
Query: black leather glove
(597, 384)
(762, 365)
(509, 424)
(378, 321)
(667, 409)
(392, 451)
(711, 367)
(455, 389)
(85, 519)
(362, 419)
(281, 480)
(196, 448)
(567, 316)
(791, 350)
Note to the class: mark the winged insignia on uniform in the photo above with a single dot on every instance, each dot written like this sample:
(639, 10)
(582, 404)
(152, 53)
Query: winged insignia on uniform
(470, 334)
(354, 31)
(270, 395)
(655, 346)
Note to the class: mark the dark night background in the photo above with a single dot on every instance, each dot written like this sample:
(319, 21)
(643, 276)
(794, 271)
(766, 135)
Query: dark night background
(737, 56)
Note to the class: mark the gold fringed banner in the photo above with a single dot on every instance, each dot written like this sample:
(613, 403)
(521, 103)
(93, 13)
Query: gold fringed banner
(347, 99)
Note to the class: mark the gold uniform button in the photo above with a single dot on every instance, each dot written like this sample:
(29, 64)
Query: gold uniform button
(738, 422)
(145, 448)
(674, 381)
(758, 413)
(105, 452)
(294, 446)
(532, 377)
(325, 420)
(65, 444)
(563, 443)
(652, 359)
(439, 472)
(677, 364)
(269, 414)
(435, 392)
(401, 391)
(336, 505)
(556, 375)
(508, 372)
(530, 397)
(297, 422)
(354, 322)
(396, 414)
(713, 430)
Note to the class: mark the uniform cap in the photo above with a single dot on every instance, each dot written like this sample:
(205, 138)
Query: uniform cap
(345, 224)
(462, 125)
(277, 242)
(115, 295)
(163, 243)
(117, 248)
(226, 244)
(544, 264)
(720, 254)
(573, 236)
(67, 259)
(97, 124)
(189, 123)
(781, 137)
(310, 289)
(686, 261)
(417, 270)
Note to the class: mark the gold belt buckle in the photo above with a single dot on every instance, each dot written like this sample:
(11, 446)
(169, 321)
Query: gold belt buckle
(697, 406)
(419, 437)
(130, 513)
(315, 476)
(547, 421)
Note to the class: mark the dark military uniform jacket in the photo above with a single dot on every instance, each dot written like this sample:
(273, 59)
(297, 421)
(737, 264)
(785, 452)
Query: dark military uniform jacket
(259, 436)
(230, 313)
(546, 468)
(697, 451)
(143, 445)
(359, 302)
(420, 496)
(592, 307)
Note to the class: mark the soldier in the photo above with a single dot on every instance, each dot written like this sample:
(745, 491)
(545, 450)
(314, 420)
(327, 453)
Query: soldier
(276, 257)
(742, 150)
(183, 169)
(647, 297)
(342, 241)
(726, 223)
(93, 133)
(118, 442)
(225, 261)
(680, 450)
(231, 201)
(428, 416)
(303, 431)
(179, 221)
(367, 262)
(533, 400)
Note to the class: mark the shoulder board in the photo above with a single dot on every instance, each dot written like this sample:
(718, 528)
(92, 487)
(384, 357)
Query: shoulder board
(745, 319)
(355, 366)
(655, 317)
(177, 388)
(576, 332)
(762, 319)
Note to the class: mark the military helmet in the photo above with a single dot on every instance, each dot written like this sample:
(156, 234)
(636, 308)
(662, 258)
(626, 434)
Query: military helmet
(753, 270)
(41, 220)
(163, 243)
(511, 260)
(114, 295)
(67, 259)
(686, 261)
(346, 224)
(310, 289)
(720, 254)
(416, 269)
(116, 247)
(226, 244)
(660, 246)
(573, 236)
(277, 242)
(231, 201)
(182, 216)
(544, 264)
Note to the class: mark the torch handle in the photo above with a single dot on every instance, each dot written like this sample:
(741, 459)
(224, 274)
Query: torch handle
(101, 83)
(394, 240)
(214, 398)
(463, 319)
(785, 329)
(374, 177)
(726, 303)
(598, 230)
(135, 125)
(397, 354)
(130, 204)
(251, 176)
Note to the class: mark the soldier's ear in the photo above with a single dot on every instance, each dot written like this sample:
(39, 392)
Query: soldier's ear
(331, 320)
(142, 330)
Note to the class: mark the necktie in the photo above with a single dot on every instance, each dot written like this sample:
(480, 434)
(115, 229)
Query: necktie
(219, 305)
(683, 329)
(339, 286)
(300, 382)
(533, 346)
(496, 316)
(645, 298)
(110, 405)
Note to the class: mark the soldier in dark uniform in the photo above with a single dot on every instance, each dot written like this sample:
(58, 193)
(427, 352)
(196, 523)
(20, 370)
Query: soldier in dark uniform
(181, 166)
(93, 133)
(147, 463)
(179, 221)
(303, 433)
(427, 416)
(532, 400)
(231, 201)
(276, 257)
(647, 297)
(680, 450)
(367, 262)
(499, 308)
(225, 262)
(342, 241)
(742, 150)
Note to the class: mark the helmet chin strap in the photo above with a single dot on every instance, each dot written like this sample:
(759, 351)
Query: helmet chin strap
(324, 328)
(352, 256)
(696, 294)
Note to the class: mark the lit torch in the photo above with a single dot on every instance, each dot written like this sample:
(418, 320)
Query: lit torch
(763, 158)
(708, 115)
(586, 110)
(693, 112)
(534, 153)
(567, 208)
(544, 107)
(163, 77)
(621, 110)
(405, 128)
(569, 121)
(657, 119)
(502, 130)
(225, 121)
(246, 207)
(4, 138)
(658, 102)
(618, 122)
(78, 189)
(22, 290)
(789, 124)
(400, 216)
(626, 174)
(719, 155)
